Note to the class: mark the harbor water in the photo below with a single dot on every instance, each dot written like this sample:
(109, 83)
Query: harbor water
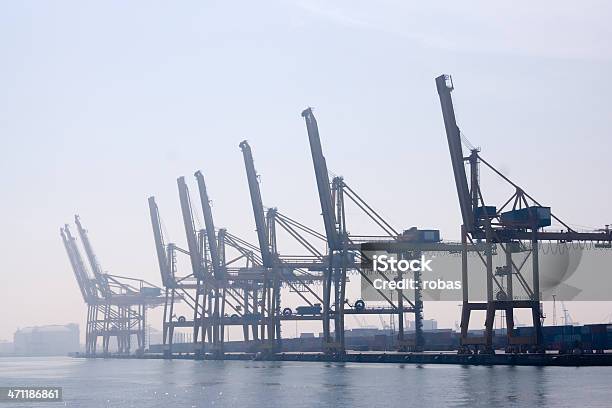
(237, 384)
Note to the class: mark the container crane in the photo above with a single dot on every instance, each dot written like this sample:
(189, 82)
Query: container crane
(213, 284)
(115, 306)
(240, 289)
(179, 288)
(197, 249)
(297, 272)
(517, 226)
(342, 249)
(333, 231)
(271, 288)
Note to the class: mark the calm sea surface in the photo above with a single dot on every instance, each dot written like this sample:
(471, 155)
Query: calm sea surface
(238, 384)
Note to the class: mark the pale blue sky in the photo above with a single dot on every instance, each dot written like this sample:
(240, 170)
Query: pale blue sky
(106, 103)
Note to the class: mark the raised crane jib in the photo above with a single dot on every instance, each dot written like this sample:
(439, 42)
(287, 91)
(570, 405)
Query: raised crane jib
(91, 257)
(90, 286)
(160, 248)
(322, 178)
(73, 264)
(453, 135)
(257, 204)
(192, 241)
(218, 270)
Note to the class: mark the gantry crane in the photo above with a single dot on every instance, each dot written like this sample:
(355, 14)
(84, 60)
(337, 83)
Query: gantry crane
(179, 288)
(210, 283)
(87, 286)
(335, 231)
(250, 287)
(516, 227)
(297, 272)
(116, 305)
(344, 248)
(237, 288)
(271, 284)
(218, 291)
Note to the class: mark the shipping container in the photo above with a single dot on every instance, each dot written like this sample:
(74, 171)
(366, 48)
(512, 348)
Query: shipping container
(534, 216)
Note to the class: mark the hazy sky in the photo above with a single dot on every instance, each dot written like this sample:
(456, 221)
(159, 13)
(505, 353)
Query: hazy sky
(105, 104)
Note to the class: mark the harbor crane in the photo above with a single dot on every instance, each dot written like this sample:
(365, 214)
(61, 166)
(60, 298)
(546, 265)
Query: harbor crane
(116, 305)
(179, 288)
(297, 272)
(223, 286)
(344, 249)
(516, 227)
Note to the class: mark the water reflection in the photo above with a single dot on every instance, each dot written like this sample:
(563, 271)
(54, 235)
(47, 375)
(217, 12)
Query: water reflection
(162, 383)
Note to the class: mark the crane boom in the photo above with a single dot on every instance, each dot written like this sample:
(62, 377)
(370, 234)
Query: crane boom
(257, 204)
(88, 284)
(160, 247)
(91, 257)
(453, 135)
(192, 241)
(210, 227)
(75, 269)
(321, 174)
